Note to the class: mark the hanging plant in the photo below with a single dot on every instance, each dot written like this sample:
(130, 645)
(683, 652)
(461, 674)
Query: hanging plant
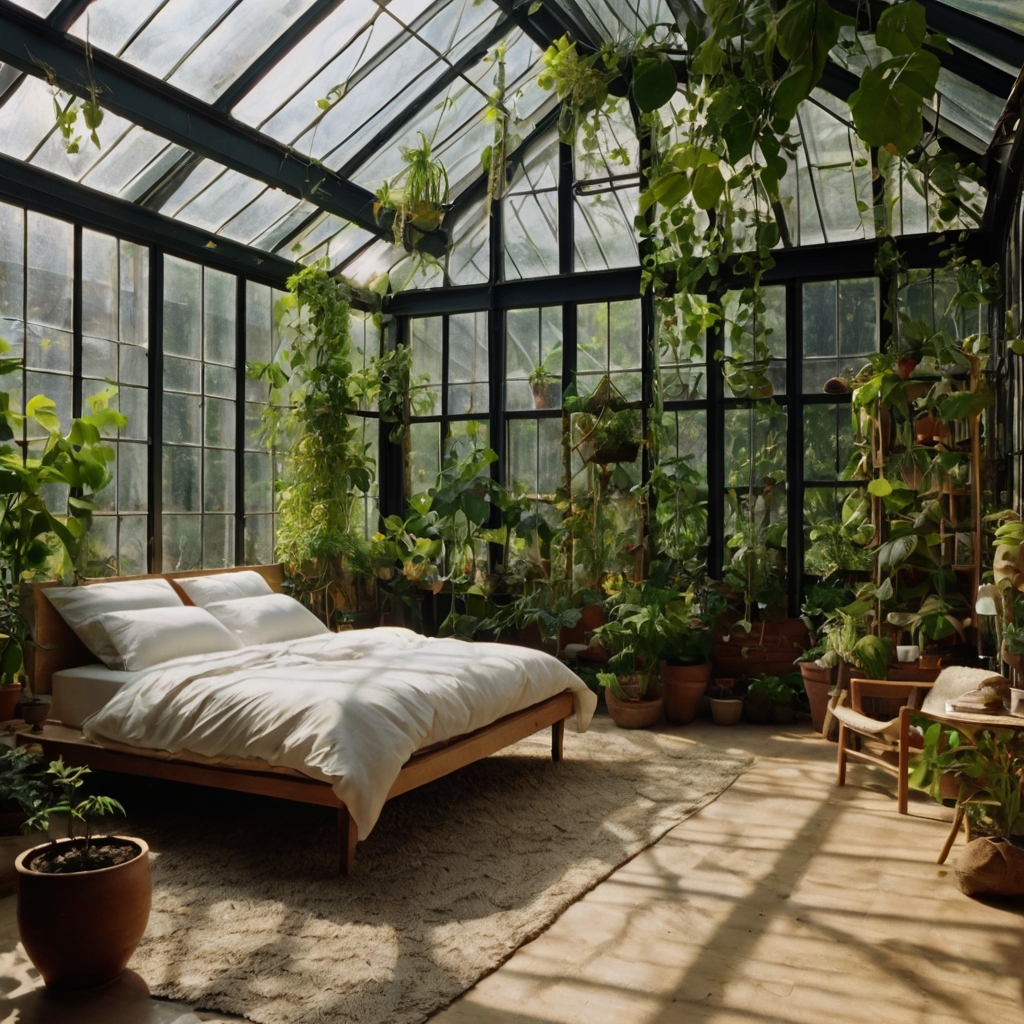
(413, 204)
(311, 424)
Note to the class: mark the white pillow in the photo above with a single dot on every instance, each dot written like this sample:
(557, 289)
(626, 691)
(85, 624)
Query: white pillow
(81, 607)
(268, 619)
(146, 638)
(224, 586)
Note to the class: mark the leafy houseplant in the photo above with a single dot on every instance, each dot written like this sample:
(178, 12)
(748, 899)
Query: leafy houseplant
(414, 202)
(83, 901)
(542, 383)
(311, 417)
(34, 538)
(988, 765)
(24, 788)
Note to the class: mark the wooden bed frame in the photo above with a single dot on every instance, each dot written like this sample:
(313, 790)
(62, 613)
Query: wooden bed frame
(56, 647)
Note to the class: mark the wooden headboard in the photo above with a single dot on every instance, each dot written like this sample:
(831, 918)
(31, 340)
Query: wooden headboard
(54, 644)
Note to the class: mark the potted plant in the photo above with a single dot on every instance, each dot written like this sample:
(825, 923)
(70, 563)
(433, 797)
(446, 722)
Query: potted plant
(850, 644)
(726, 710)
(821, 601)
(632, 635)
(988, 765)
(83, 901)
(543, 385)
(762, 695)
(609, 436)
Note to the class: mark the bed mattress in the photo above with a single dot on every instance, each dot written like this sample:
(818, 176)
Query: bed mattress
(81, 692)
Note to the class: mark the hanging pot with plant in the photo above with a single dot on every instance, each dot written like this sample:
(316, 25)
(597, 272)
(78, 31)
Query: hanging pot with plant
(544, 385)
(83, 901)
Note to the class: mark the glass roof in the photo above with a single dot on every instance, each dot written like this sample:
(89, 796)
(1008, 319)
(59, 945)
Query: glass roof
(350, 82)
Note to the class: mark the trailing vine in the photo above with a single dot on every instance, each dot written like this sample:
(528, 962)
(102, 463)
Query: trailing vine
(310, 424)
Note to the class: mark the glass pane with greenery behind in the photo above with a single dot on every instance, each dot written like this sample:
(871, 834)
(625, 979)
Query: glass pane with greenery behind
(840, 329)
(837, 528)
(533, 358)
(679, 488)
(829, 448)
(755, 504)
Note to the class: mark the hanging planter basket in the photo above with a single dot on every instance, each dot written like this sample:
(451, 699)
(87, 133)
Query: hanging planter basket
(612, 431)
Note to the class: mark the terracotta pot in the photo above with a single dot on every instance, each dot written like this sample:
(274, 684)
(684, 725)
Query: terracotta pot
(633, 714)
(9, 697)
(905, 367)
(817, 683)
(725, 683)
(929, 661)
(756, 708)
(543, 395)
(1013, 660)
(683, 688)
(80, 929)
(727, 711)
(930, 429)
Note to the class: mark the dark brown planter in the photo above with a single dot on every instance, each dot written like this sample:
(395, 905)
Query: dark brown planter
(633, 714)
(591, 618)
(930, 430)
(756, 708)
(770, 648)
(817, 683)
(991, 867)
(9, 697)
(80, 929)
(683, 688)
(783, 712)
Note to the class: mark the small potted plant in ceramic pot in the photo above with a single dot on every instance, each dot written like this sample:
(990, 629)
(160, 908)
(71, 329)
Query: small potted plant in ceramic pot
(83, 901)
(543, 384)
(629, 685)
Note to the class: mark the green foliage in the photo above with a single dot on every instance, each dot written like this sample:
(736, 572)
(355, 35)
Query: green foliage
(66, 780)
(33, 536)
(327, 467)
(988, 765)
(24, 784)
(846, 638)
(778, 689)
(414, 200)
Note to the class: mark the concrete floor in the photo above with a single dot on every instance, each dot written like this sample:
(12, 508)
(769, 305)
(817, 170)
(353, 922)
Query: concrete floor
(786, 901)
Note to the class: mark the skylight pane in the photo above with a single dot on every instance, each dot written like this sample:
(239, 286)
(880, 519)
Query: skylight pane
(123, 163)
(200, 177)
(110, 24)
(40, 7)
(8, 76)
(255, 218)
(177, 27)
(222, 200)
(285, 228)
(304, 61)
(1007, 13)
(234, 44)
(26, 118)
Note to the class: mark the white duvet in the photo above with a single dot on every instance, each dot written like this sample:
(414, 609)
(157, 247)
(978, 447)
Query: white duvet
(348, 708)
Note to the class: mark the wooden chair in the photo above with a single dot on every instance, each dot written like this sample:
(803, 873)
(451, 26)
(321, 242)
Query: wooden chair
(918, 696)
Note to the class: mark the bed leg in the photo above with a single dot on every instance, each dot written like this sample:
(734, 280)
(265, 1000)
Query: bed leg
(348, 836)
(557, 736)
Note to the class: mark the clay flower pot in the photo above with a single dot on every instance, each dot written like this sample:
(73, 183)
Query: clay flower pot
(817, 683)
(726, 711)
(10, 694)
(906, 366)
(930, 429)
(683, 688)
(80, 929)
(633, 714)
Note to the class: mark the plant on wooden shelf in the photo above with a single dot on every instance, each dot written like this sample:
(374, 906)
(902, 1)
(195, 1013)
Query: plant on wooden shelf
(83, 901)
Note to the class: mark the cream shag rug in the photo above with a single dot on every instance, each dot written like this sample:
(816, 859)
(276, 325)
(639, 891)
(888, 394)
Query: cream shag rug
(248, 918)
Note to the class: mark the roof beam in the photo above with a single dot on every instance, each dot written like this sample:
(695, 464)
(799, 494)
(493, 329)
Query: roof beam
(60, 197)
(66, 13)
(28, 43)
(544, 26)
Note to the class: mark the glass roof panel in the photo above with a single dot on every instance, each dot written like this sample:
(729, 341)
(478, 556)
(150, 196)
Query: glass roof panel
(172, 33)
(40, 7)
(965, 106)
(280, 232)
(110, 24)
(332, 237)
(220, 201)
(254, 219)
(308, 58)
(619, 19)
(1007, 13)
(454, 120)
(234, 44)
(131, 167)
(202, 175)
(26, 118)
(8, 76)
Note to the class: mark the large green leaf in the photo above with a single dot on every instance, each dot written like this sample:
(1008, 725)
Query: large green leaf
(654, 82)
(887, 105)
(708, 185)
(902, 28)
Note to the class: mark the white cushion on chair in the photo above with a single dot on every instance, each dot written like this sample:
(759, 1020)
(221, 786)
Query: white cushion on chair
(954, 682)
